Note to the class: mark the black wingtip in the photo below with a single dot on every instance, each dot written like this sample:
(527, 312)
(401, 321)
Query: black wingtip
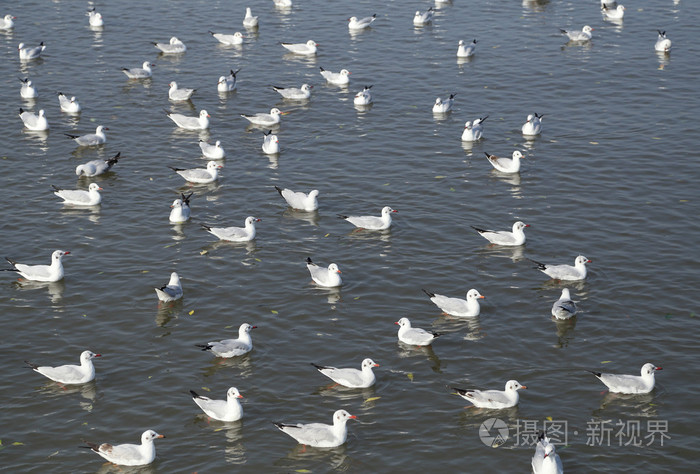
(21, 110)
(194, 394)
(72, 137)
(432, 295)
(206, 227)
(459, 391)
(321, 68)
(12, 262)
(32, 366)
(205, 347)
(436, 334)
(597, 374)
(308, 261)
(279, 190)
(211, 32)
(481, 231)
(540, 265)
(278, 425)
(563, 31)
(186, 198)
(374, 15)
(56, 188)
(482, 120)
(176, 169)
(341, 216)
(319, 367)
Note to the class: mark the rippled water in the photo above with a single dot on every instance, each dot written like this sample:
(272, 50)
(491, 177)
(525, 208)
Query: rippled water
(613, 177)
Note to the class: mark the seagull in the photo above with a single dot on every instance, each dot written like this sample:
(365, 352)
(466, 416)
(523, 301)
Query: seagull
(294, 93)
(177, 94)
(70, 106)
(143, 72)
(533, 125)
(364, 97)
(473, 131)
(443, 106)
(351, 378)
(190, 123)
(493, 399)
(564, 307)
(90, 139)
(235, 234)
(338, 78)
(222, 410)
(371, 222)
(464, 51)
(271, 144)
(227, 83)
(415, 336)
(27, 91)
(95, 19)
(614, 13)
(213, 152)
(546, 460)
(304, 49)
(608, 3)
(234, 39)
(32, 121)
(630, 383)
(250, 21)
(96, 167)
(69, 374)
(506, 165)
(320, 435)
(458, 307)
(421, 19)
(565, 272)
(129, 454)
(355, 24)
(663, 44)
(581, 36)
(326, 277)
(503, 237)
(78, 197)
(175, 46)
(283, 3)
(45, 273)
(266, 120)
(30, 53)
(180, 209)
(200, 175)
(172, 291)
(300, 200)
(232, 347)
(7, 22)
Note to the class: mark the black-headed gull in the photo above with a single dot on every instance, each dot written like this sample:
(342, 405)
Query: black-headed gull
(415, 336)
(7, 22)
(179, 94)
(27, 91)
(294, 93)
(327, 277)
(361, 24)
(213, 152)
(564, 307)
(300, 200)
(30, 53)
(129, 454)
(546, 460)
(442, 106)
(341, 78)
(227, 83)
(190, 123)
(235, 234)
(466, 308)
(364, 97)
(143, 72)
(630, 384)
(222, 410)
(504, 237)
(70, 106)
(232, 347)
(97, 167)
(493, 399)
(533, 125)
(465, 50)
(303, 49)
(231, 40)
(608, 3)
(33, 121)
(421, 19)
(580, 36)
(266, 120)
(172, 291)
(180, 209)
(200, 175)
(613, 13)
(565, 272)
(69, 374)
(320, 435)
(351, 378)
(78, 197)
(506, 165)
(663, 44)
(174, 46)
(473, 131)
(46, 273)
(90, 139)
(250, 21)
(95, 18)
(271, 144)
(371, 222)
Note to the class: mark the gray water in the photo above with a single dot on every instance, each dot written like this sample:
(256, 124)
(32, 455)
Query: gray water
(613, 177)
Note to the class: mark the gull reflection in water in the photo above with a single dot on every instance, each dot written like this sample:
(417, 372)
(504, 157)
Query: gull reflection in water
(407, 350)
(38, 136)
(234, 452)
(470, 326)
(535, 5)
(86, 390)
(167, 311)
(639, 405)
(333, 294)
(493, 250)
(344, 393)
(92, 212)
(664, 59)
(565, 331)
(242, 363)
(110, 468)
(331, 459)
(55, 288)
(310, 217)
(249, 246)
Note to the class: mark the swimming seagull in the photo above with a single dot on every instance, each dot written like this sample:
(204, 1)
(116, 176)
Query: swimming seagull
(581, 36)
(338, 78)
(190, 123)
(443, 106)
(271, 144)
(565, 272)
(7, 22)
(143, 72)
(663, 44)
(227, 83)
(493, 399)
(232, 347)
(33, 121)
(97, 167)
(200, 175)
(326, 277)
(213, 152)
(533, 125)
(95, 18)
(299, 200)
(503, 237)
(90, 139)
(172, 291)
(371, 222)
(45, 273)
(458, 307)
(351, 378)
(27, 91)
(473, 131)
(235, 234)
(30, 53)
(283, 3)
(78, 197)
(421, 19)
(564, 307)
(265, 120)
(180, 209)
(179, 94)
(294, 93)
(129, 454)
(506, 165)
(175, 46)
(364, 97)
(464, 51)
(614, 13)
(231, 40)
(630, 384)
(70, 106)
(415, 336)
(303, 49)
(320, 435)
(546, 460)
(69, 374)
(222, 410)
(355, 24)
(250, 21)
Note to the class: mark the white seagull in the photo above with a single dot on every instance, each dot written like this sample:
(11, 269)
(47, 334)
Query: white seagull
(364, 97)
(533, 125)
(232, 347)
(442, 106)
(172, 291)
(200, 175)
(326, 277)
(456, 306)
(213, 152)
(175, 46)
(283, 3)
(250, 21)
(129, 454)
(235, 234)
(421, 19)
(179, 94)
(180, 209)
(271, 144)
(303, 49)
(464, 50)
(415, 336)
(299, 200)
(45, 273)
(493, 399)
(266, 120)
(351, 378)
(78, 197)
(95, 18)
(506, 165)
(371, 222)
(190, 123)
(96, 167)
(565, 272)
(614, 13)
(546, 460)
(564, 307)
(294, 93)
(70, 106)
(355, 24)
(232, 40)
(33, 121)
(630, 384)
(222, 410)
(143, 72)
(69, 374)
(28, 91)
(90, 139)
(580, 36)
(320, 435)
(473, 131)
(30, 53)
(227, 83)
(7, 22)
(338, 78)
(663, 44)
(503, 237)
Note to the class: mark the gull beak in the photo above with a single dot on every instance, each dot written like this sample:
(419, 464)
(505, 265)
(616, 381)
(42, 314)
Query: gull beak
(66, 252)
(100, 189)
(482, 296)
(523, 386)
(375, 365)
(527, 225)
(239, 396)
(396, 322)
(258, 220)
(253, 327)
(394, 210)
(353, 417)
(658, 368)
(284, 113)
(589, 261)
(98, 355)
(208, 116)
(160, 436)
(339, 271)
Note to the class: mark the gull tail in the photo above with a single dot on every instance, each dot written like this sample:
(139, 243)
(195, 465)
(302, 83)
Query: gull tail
(205, 347)
(540, 266)
(279, 190)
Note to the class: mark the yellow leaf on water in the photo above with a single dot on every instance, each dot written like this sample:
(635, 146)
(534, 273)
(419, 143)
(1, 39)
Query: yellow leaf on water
(593, 143)
(606, 362)
(17, 443)
(191, 312)
(549, 418)
(204, 252)
(274, 312)
(410, 376)
(656, 138)
(258, 260)
(440, 177)
(302, 470)
(327, 235)
(206, 389)
(144, 271)
(228, 327)
(356, 298)
(218, 429)
(372, 399)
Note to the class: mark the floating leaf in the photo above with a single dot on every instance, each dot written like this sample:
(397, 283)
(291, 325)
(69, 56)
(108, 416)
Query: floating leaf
(17, 443)
(594, 143)
(410, 376)
(549, 418)
(356, 298)
(302, 470)
(204, 252)
(84, 315)
(228, 327)
(191, 313)
(327, 235)
(274, 312)
(372, 399)
(440, 177)
(606, 362)
(150, 376)
(452, 189)
(144, 271)
(258, 260)
(206, 389)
